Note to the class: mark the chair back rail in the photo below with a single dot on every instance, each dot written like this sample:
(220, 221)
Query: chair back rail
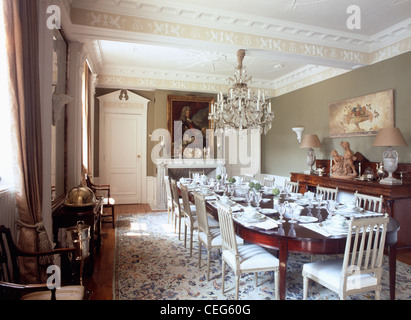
(328, 193)
(367, 202)
(364, 251)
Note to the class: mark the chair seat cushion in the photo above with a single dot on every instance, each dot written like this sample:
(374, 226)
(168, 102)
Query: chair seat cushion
(63, 293)
(329, 271)
(252, 258)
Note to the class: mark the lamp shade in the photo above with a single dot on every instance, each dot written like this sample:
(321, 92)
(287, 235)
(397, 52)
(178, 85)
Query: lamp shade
(310, 141)
(389, 137)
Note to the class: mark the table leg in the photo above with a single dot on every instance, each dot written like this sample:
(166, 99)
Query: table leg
(393, 269)
(283, 255)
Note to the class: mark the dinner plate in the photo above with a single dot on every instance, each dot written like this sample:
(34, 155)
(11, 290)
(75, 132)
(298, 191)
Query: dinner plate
(239, 199)
(334, 228)
(268, 211)
(307, 219)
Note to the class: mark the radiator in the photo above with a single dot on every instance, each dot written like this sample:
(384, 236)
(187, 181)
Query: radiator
(8, 210)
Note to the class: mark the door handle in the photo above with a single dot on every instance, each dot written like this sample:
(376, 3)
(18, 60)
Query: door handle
(138, 157)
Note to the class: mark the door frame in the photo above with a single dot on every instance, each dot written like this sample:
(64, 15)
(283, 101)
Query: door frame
(117, 103)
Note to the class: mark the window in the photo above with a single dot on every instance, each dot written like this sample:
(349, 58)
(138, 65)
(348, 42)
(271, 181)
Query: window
(6, 166)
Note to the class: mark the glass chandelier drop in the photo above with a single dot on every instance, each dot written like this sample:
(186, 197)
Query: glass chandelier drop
(241, 109)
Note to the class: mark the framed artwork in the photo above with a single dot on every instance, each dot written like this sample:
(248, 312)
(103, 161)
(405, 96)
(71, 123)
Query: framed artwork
(185, 113)
(362, 116)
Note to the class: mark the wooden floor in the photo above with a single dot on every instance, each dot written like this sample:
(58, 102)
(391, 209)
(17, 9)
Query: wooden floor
(101, 283)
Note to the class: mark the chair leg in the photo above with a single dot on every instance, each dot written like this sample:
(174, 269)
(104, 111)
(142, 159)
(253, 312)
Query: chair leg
(199, 254)
(208, 265)
(223, 276)
(256, 278)
(305, 287)
(277, 284)
(237, 285)
(185, 235)
(191, 241)
(179, 227)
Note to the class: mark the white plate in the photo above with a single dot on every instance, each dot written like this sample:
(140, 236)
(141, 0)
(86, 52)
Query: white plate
(333, 228)
(307, 219)
(238, 199)
(268, 211)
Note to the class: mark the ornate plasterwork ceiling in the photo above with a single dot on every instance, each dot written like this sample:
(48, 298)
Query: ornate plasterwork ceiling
(192, 44)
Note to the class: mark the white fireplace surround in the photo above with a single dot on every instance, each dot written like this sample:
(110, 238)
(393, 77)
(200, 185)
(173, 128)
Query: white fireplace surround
(163, 166)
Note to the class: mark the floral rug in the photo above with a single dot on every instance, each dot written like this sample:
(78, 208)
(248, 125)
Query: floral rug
(152, 264)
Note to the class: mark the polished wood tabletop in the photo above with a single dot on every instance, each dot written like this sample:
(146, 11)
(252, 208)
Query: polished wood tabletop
(295, 238)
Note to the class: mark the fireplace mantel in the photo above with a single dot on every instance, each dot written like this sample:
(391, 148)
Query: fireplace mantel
(215, 166)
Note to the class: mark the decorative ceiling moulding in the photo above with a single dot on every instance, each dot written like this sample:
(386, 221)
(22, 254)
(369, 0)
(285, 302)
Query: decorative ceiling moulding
(172, 13)
(108, 21)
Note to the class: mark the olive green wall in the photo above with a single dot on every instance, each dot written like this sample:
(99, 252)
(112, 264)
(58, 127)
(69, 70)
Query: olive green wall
(308, 107)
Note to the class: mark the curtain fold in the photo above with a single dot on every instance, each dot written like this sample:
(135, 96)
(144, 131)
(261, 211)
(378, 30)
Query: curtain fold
(22, 49)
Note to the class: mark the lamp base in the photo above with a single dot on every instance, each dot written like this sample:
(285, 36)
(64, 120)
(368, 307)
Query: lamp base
(390, 181)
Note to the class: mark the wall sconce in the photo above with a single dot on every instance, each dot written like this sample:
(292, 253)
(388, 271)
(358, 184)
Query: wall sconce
(299, 132)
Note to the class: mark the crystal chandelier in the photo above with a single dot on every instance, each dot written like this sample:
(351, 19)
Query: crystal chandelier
(241, 109)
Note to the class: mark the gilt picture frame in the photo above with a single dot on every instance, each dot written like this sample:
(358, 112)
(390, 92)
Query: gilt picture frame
(189, 112)
(361, 116)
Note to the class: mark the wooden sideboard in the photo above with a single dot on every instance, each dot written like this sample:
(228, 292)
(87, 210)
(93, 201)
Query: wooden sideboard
(397, 198)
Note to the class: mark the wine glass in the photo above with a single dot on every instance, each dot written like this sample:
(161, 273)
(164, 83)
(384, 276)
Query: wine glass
(281, 211)
(257, 198)
(293, 213)
(319, 197)
(330, 208)
(248, 197)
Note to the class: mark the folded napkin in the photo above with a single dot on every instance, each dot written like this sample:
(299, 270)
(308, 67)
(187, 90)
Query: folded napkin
(257, 220)
(326, 232)
(213, 197)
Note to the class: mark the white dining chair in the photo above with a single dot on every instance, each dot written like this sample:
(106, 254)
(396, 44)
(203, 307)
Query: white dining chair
(361, 268)
(328, 193)
(269, 181)
(177, 201)
(190, 218)
(169, 197)
(209, 237)
(247, 177)
(246, 258)
(291, 186)
(368, 202)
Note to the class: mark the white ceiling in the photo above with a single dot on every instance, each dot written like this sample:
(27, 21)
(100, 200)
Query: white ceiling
(315, 22)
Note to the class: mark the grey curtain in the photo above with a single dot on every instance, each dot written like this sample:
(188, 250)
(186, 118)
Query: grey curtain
(22, 49)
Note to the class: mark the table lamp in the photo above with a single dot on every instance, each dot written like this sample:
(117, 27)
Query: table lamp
(390, 137)
(310, 141)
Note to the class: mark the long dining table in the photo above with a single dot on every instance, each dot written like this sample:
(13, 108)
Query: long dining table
(297, 238)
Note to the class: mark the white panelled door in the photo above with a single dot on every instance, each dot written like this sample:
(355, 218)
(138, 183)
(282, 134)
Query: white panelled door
(123, 146)
(123, 156)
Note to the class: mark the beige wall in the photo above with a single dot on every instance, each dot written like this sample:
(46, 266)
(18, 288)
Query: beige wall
(308, 107)
(156, 119)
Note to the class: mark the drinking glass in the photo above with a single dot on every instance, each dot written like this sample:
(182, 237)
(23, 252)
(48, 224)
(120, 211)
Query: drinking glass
(330, 207)
(257, 198)
(281, 211)
(319, 197)
(248, 197)
(293, 213)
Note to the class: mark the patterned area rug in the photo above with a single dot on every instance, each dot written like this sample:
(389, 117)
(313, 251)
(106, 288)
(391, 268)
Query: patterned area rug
(152, 264)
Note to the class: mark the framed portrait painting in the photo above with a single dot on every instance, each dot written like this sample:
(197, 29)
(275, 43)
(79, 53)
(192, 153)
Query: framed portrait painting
(362, 116)
(187, 122)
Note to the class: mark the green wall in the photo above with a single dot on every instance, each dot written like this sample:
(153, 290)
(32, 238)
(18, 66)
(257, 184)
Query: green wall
(308, 107)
